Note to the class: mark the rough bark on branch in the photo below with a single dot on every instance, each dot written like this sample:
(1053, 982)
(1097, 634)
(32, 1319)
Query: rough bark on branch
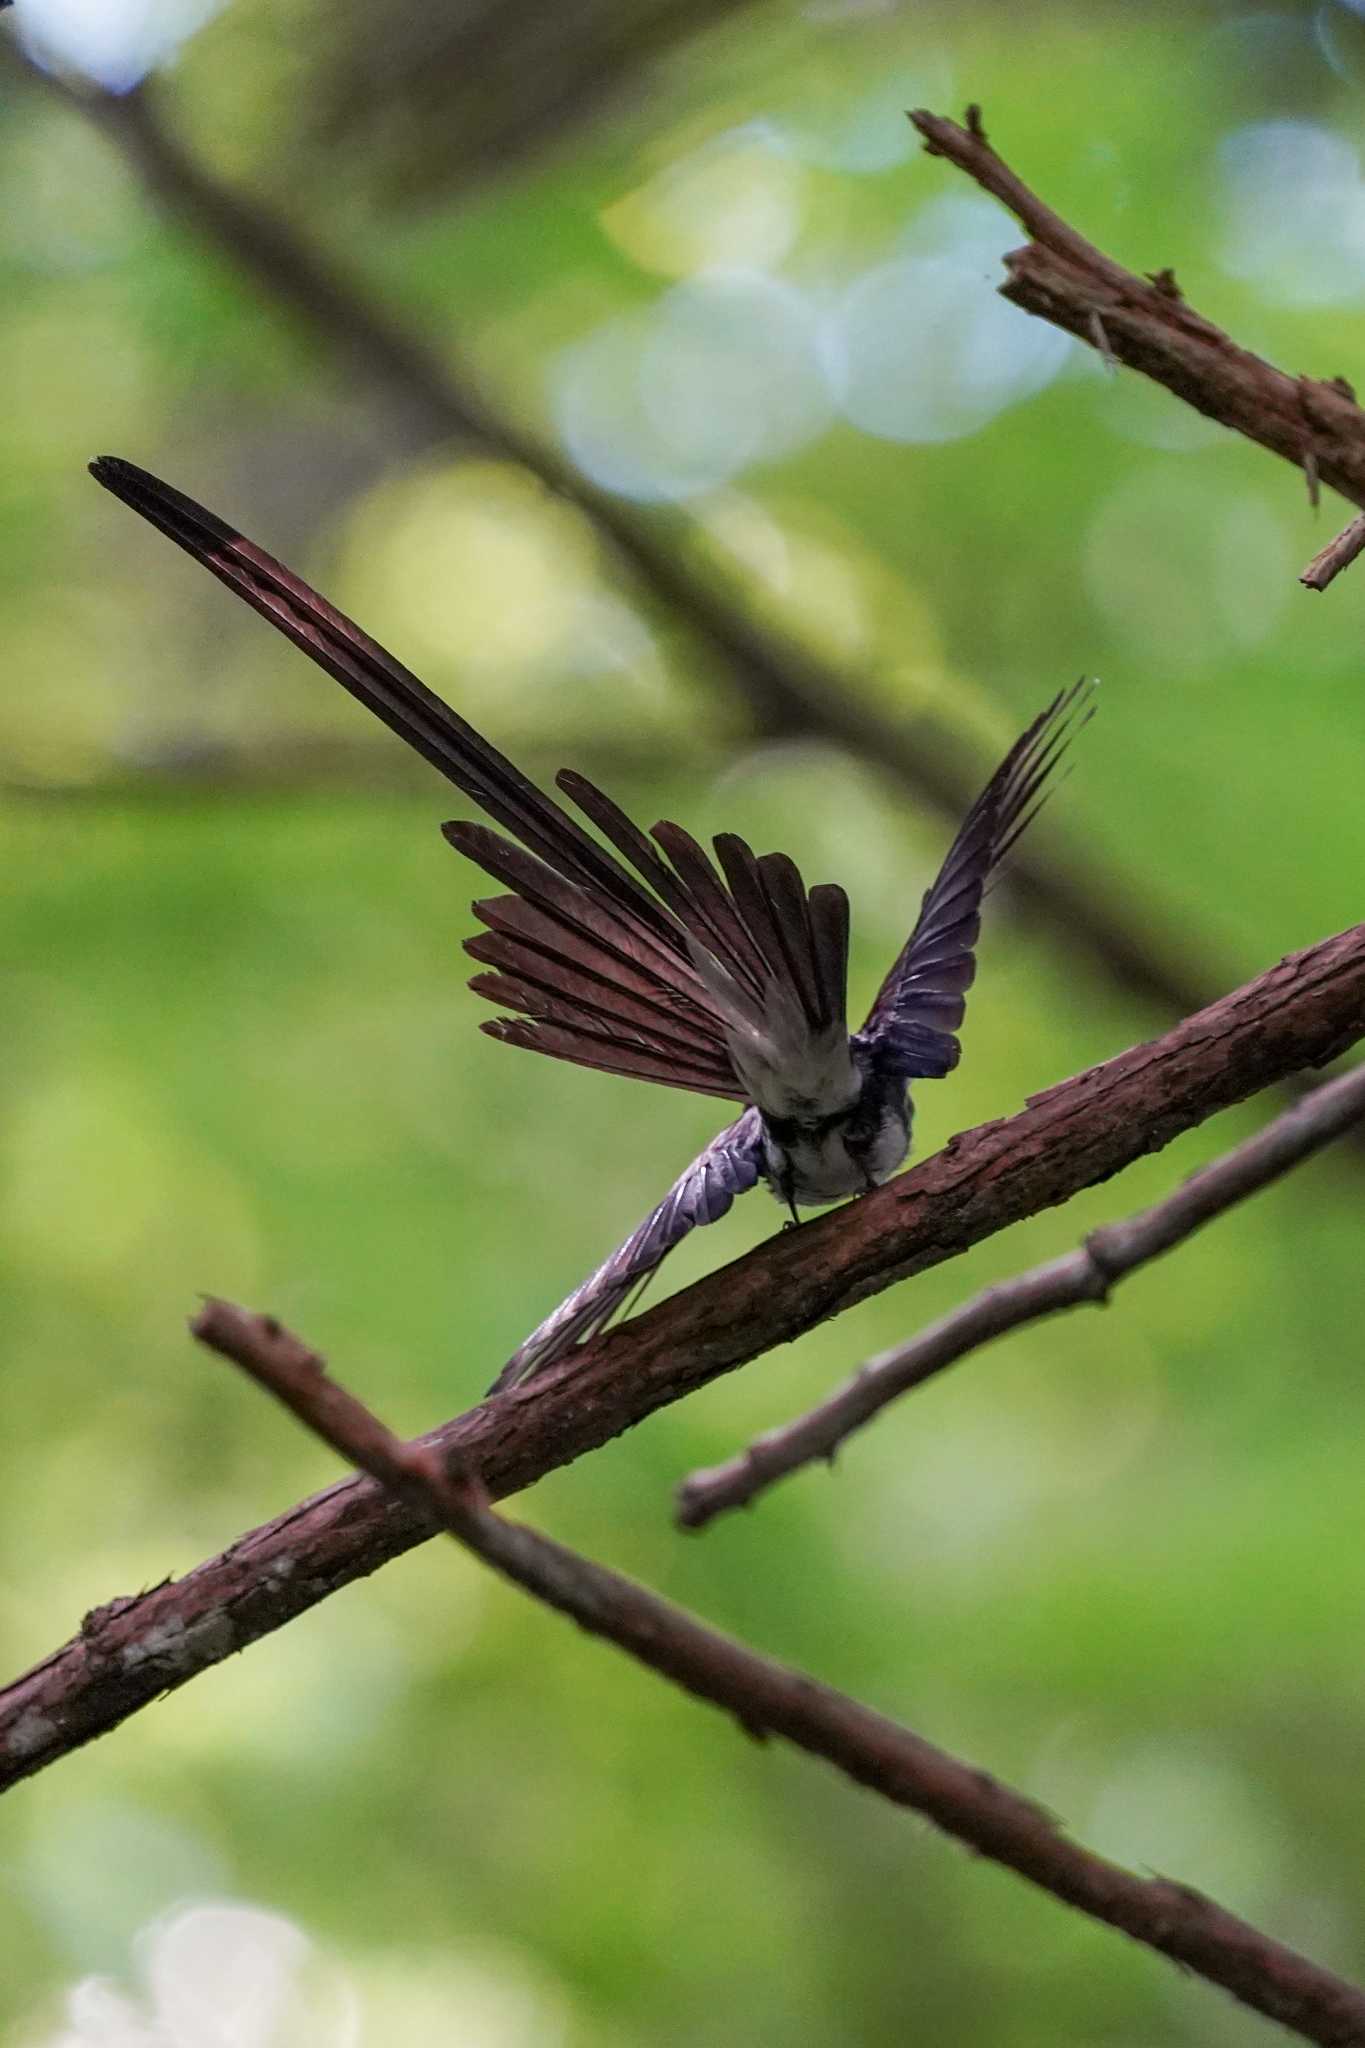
(767, 1698)
(1298, 1014)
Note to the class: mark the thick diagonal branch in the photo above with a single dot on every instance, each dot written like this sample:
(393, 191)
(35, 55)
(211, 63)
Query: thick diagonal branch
(785, 689)
(767, 1698)
(1146, 323)
(1296, 1015)
(1088, 1275)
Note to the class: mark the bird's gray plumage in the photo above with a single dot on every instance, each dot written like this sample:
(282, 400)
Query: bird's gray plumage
(645, 957)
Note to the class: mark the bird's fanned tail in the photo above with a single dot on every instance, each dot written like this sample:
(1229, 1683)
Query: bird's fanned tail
(610, 958)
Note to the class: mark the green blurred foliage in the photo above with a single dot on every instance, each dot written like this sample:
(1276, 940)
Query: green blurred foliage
(1117, 1562)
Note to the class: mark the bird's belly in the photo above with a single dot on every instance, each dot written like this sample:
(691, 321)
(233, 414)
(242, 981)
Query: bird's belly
(817, 1166)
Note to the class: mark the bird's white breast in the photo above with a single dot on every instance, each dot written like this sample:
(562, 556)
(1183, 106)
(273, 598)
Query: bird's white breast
(818, 1167)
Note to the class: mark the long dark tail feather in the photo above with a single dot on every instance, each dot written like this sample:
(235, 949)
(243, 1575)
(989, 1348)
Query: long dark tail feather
(801, 937)
(382, 684)
(829, 944)
(719, 926)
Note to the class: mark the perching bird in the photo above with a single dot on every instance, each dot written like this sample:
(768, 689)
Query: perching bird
(730, 981)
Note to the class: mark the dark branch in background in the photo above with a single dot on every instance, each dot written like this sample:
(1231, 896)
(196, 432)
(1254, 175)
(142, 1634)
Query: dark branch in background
(1147, 324)
(446, 98)
(786, 690)
(1298, 1014)
(1107, 1256)
(211, 769)
(768, 1699)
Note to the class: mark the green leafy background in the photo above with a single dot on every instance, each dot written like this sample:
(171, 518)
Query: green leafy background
(1118, 1560)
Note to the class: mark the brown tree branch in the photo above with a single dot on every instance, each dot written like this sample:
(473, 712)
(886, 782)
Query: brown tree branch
(1298, 1014)
(785, 689)
(1146, 323)
(767, 1698)
(1107, 1256)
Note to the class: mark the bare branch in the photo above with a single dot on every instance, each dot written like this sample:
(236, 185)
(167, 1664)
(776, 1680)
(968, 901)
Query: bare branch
(1338, 554)
(767, 1698)
(1146, 323)
(1298, 1014)
(1107, 1256)
(785, 689)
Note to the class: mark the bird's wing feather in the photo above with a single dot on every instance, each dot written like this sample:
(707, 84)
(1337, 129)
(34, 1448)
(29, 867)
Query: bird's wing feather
(911, 1027)
(729, 1166)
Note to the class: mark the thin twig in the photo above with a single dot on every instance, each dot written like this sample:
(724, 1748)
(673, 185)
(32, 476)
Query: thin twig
(1297, 1015)
(1107, 1256)
(1336, 556)
(767, 1698)
(1146, 323)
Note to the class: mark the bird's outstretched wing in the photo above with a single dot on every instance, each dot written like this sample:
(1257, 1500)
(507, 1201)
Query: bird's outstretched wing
(911, 1027)
(654, 964)
(728, 1167)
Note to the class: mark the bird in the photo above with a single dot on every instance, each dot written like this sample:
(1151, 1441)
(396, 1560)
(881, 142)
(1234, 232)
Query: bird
(642, 955)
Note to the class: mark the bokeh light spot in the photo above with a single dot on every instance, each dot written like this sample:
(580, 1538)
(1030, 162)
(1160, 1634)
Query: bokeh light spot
(723, 373)
(733, 203)
(1339, 29)
(923, 348)
(479, 563)
(115, 46)
(1294, 212)
(1181, 566)
(731, 370)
